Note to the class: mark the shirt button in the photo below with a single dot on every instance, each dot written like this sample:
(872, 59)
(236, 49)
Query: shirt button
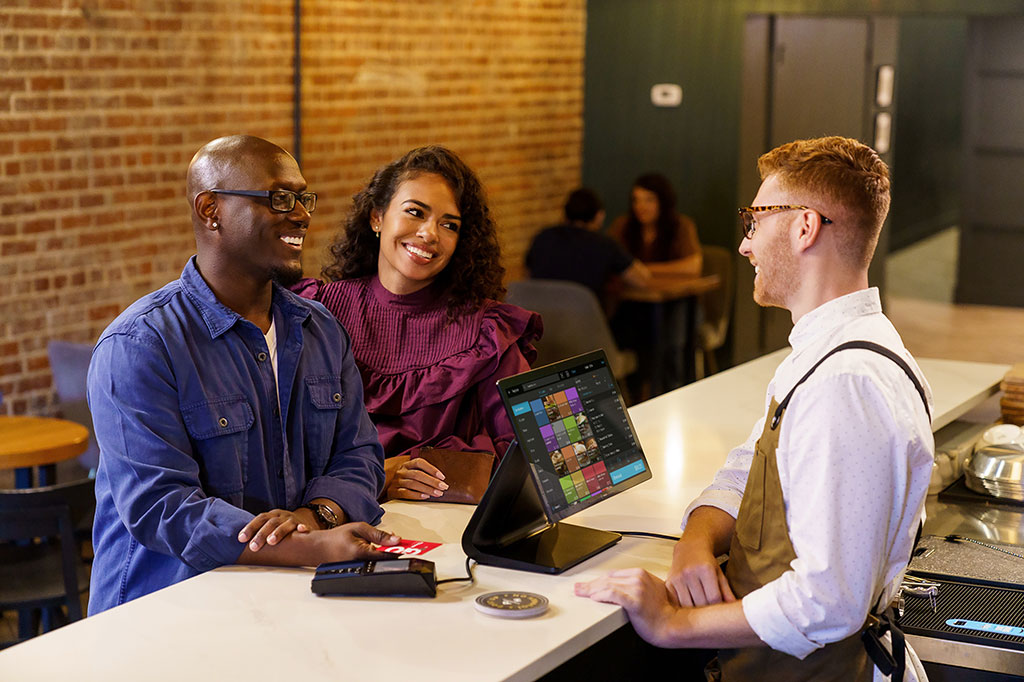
(336, 397)
(223, 422)
(261, 356)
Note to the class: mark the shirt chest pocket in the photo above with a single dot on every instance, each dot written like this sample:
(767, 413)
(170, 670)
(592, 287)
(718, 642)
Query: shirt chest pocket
(326, 398)
(220, 431)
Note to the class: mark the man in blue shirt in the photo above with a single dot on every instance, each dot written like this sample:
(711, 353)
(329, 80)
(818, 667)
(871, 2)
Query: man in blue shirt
(228, 411)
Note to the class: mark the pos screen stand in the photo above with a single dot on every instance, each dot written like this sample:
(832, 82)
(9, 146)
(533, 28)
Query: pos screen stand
(509, 528)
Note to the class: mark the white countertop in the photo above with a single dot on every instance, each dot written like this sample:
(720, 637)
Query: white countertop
(265, 624)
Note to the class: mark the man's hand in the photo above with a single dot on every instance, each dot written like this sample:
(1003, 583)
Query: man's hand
(650, 609)
(412, 479)
(356, 541)
(644, 597)
(275, 525)
(695, 578)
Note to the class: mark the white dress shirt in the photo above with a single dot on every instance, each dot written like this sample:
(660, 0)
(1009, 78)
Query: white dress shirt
(854, 456)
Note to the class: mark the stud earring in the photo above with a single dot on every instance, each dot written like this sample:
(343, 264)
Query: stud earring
(376, 231)
(216, 225)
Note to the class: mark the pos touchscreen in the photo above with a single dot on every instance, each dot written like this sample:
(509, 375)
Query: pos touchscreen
(574, 447)
(575, 433)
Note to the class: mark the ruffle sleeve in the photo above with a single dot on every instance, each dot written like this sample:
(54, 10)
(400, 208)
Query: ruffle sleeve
(307, 288)
(503, 328)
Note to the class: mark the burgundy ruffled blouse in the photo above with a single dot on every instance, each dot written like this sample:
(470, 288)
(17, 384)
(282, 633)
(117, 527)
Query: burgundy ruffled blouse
(428, 381)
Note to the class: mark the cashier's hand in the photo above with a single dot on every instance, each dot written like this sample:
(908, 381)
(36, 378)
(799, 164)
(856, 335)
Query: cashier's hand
(357, 541)
(644, 597)
(696, 579)
(275, 525)
(408, 478)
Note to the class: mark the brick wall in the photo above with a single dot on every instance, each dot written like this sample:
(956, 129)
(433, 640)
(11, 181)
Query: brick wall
(103, 102)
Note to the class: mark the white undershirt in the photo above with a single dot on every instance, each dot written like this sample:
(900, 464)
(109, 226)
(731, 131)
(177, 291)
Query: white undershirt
(854, 456)
(271, 337)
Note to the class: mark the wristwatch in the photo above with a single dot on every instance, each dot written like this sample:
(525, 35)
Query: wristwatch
(324, 515)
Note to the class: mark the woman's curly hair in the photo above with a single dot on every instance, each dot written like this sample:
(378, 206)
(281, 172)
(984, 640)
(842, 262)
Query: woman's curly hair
(474, 272)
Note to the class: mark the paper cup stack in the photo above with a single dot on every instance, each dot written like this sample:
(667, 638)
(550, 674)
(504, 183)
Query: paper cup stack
(1012, 402)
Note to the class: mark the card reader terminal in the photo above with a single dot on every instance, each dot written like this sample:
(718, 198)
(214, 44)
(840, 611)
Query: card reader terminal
(384, 578)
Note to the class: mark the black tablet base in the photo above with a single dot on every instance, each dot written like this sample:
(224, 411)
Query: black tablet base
(552, 550)
(509, 528)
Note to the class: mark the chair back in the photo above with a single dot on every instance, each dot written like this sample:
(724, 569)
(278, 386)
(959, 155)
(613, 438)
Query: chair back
(573, 322)
(717, 304)
(69, 363)
(49, 512)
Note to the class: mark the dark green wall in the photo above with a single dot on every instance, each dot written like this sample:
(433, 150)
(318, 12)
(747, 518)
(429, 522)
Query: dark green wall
(632, 44)
(928, 155)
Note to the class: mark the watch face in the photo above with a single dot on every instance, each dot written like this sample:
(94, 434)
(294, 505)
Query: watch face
(324, 515)
(328, 515)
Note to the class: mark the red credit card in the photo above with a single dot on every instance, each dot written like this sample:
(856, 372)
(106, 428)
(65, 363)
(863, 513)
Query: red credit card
(406, 547)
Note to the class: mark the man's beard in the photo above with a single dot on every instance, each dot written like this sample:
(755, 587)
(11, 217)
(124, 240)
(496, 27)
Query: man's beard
(286, 275)
(778, 277)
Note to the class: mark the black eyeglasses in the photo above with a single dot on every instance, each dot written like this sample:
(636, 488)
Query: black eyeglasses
(281, 200)
(750, 223)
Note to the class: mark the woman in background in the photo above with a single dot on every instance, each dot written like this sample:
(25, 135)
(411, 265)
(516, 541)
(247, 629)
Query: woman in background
(416, 280)
(654, 233)
(666, 242)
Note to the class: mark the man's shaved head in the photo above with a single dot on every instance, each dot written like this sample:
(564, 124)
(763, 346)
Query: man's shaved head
(229, 160)
(241, 236)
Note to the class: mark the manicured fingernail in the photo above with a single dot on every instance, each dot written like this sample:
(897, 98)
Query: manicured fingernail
(272, 540)
(423, 496)
(302, 528)
(440, 475)
(242, 537)
(253, 546)
(443, 486)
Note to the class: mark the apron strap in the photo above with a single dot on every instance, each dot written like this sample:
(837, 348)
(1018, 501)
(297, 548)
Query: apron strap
(893, 663)
(864, 345)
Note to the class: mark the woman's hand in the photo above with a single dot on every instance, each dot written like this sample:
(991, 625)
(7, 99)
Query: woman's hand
(408, 478)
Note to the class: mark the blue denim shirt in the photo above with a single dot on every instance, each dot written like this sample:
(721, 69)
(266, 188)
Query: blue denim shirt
(193, 444)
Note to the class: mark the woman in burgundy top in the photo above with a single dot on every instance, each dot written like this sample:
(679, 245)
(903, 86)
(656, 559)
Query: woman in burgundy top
(654, 233)
(415, 279)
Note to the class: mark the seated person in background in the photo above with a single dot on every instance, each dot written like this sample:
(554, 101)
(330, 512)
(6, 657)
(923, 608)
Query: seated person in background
(818, 509)
(228, 410)
(665, 241)
(577, 251)
(667, 244)
(415, 279)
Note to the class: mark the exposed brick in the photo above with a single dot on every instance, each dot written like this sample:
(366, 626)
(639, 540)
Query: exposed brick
(47, 83)
(39, 144)
(111, 98)
(11, 247)
(39, 226)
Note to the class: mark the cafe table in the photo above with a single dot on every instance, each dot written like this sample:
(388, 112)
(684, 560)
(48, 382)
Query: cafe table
(30, 442)
(664, 293)
(256, 624)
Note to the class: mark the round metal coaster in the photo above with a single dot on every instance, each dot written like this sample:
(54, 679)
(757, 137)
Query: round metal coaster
(512, 604)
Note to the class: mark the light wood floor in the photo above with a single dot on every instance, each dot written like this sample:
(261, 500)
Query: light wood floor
(959, 332)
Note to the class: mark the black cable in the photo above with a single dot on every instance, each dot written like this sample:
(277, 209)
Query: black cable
(645, 534)
(469, 577)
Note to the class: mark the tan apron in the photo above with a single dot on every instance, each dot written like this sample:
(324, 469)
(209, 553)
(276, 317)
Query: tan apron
(761, 551)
